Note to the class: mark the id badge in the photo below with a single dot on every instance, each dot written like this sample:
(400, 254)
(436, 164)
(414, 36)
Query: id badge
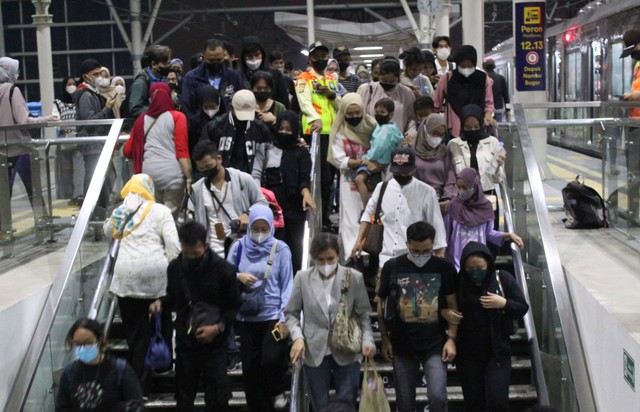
(220, 231)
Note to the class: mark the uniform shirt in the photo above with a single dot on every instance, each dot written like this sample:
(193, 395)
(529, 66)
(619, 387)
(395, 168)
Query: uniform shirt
(313, 105)
(216, 215)
(402, 206)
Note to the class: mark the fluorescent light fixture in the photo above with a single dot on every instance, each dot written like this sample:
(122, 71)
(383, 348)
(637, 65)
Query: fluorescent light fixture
(367, 61)
(371, 55)
(363, 48)
(305, 52)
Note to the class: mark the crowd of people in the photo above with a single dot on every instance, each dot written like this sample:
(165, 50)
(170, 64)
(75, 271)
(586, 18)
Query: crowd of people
(222, 148)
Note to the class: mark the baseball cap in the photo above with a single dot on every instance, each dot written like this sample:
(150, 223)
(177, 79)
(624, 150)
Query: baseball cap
(340, 50)
(631, 39)
(317, 45)
(244, 105)
(403, 160)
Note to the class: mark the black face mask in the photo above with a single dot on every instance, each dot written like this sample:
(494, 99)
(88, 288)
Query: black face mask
(163, 71)
(214, 68)
(635, 55)
(353, 121)
(387, 86)
(191, 264)
(213, 172)
(320, 65)
(173, 86)
(382, 119)
(403, 180)
(262, 96)
(343, 66)
(471, 135)
(375, 78)
(284, 140)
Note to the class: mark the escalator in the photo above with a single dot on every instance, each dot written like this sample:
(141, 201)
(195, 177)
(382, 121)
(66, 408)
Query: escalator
(548, 360)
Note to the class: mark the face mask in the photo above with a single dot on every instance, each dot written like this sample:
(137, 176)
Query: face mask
(213, 172)
(387, 86)
(319, 65)
(419, 259)
(443, 53)
(214, 68)
(382, 119)
(635, 55)
(284, 140)
(343, 66)
(353, 121)
(71, 89)
(132, 202)
(262, 96)
(120, 89)
(163, 71)
(326, 270)
(472, 135)
(281, 69)
(259, 237)
(467, 72)
(375, 78)
(173, 86)
(253, 64)
(466, 195)
(403, 180)
(87, 353)
(434, 141)
(211, 113)
(191, 264)
(101, 82)
(477, 275)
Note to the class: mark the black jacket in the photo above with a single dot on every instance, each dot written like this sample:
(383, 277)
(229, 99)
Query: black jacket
(500, 90)
(485, 332)
(213, 282)
(229, 84)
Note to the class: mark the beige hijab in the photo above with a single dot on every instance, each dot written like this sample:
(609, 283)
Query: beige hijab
(360, 134)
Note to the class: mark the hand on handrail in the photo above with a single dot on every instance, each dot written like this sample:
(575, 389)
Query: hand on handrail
(297, 350)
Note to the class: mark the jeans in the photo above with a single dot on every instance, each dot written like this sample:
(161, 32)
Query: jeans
(205, 364)
(346, 378)
(264, 364)
(485, 383)
(406, 374)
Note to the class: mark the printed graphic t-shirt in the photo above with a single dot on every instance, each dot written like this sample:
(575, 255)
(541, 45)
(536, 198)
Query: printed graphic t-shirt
(420, 291)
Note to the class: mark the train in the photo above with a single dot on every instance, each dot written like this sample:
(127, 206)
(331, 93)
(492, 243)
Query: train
(583, 64)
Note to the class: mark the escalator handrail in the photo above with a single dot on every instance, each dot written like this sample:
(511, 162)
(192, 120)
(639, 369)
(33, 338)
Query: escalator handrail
(566, 310)
(66, 123)
(312, 226)
(581, 105)
(22, 384)
(529, 326)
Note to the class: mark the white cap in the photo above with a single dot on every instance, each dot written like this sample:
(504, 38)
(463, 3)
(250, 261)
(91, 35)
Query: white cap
(244, 105)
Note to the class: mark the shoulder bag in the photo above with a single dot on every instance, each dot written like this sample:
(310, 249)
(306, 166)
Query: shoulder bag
(200, 313)
(375, 232)
(158, 355)
(346, 333)
(253, 299)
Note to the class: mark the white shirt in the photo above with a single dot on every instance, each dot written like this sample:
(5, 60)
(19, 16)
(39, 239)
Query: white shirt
(486, 153)
(215, 214)
(402, 206)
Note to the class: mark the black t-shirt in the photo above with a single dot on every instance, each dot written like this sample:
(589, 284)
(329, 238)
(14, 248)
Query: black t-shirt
(420, 291)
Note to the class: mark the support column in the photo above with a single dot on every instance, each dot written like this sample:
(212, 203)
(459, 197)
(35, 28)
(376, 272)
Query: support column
(136, 35)
(3, 50)
(311, 22)
(442, 19)
(473, 25)
(42, 20)
(425, 31)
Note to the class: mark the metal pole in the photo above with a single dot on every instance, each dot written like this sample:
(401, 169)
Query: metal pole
(2, 48)
(311, 22)
(136, 35)
(442, 19)
(42, 20)
(412, 20)
(473, 25)
(152, 21)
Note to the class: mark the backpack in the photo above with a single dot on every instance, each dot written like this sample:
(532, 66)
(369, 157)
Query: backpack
(583, 207)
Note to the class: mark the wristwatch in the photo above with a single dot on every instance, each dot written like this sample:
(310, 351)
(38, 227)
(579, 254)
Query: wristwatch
(453, 338)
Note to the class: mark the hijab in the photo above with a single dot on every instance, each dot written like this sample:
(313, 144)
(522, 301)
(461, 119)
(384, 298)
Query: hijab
(423, 150)
(253, 250)
(461, 90)
(293, 119)
(472, 110)
(66, 97)
(12, 66)
(139, 197)
(360, 134)
(476, 210)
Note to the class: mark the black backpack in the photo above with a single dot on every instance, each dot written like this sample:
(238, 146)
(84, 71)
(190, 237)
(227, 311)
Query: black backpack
(583, 207)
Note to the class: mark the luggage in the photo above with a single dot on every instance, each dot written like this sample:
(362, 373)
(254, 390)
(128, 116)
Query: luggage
(583, 206)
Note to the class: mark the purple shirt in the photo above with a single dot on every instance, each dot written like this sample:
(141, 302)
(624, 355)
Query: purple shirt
(439, 174)
(458, 235)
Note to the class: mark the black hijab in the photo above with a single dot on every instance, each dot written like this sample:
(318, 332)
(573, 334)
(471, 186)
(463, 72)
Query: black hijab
(293, 119)
(66, 97)
(472, 110)
(461, 90)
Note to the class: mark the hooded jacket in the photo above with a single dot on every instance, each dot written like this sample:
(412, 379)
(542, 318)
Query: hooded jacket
(485, 332)
(230, 82)
(280, 90)
(13, 111)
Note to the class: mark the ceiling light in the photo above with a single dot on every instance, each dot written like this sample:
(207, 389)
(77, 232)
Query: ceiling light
(305, 52)
(363, 48)
(367, 61)
(371, 55)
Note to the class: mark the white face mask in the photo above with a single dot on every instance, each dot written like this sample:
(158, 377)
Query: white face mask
(254, 64)
(259, 237)
(419, 260)
(71, 89)
(120, 89)
(281, 69)
(466, 195)
(102, 82)
(132, 202)
(211, 113)
(467, 72)
(326, 270)
(443, 53)
(434, 141)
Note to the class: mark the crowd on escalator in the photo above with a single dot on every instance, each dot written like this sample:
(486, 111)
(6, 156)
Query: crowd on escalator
(211, 225)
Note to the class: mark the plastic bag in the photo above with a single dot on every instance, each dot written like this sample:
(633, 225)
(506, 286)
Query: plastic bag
(372, 396)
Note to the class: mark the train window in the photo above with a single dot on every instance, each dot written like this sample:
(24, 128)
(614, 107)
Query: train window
(574, 75)
(621, 71)
(596, 67)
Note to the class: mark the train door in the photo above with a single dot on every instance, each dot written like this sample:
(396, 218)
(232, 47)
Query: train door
(575, 92)
(621, 72)
(596, 71)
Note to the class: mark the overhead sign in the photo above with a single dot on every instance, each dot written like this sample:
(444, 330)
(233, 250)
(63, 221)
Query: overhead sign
(530, 46)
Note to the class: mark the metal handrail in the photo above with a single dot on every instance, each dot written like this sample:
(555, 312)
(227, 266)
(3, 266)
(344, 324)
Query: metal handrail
(103, 281)
(299, 402)
(66, 123)
(563, 299)
(18, 395)
(580, 105)
(529, 326)
(603, 121)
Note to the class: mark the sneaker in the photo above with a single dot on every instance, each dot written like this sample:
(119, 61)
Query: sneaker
(281, 401)
(234, 362)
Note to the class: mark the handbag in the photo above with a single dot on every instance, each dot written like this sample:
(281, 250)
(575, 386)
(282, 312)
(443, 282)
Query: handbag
(200, 313)
(375, 232)
(158, 355)
(372, 396)
(346, 333)
(184, 214)
(253, 299)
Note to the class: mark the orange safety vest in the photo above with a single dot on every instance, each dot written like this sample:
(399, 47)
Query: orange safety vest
(635, 87)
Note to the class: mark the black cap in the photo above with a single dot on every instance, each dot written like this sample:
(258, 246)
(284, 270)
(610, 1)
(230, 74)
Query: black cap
(340, 50)
(317, 45)
(403, 160)
(631, 39)
(88, 66)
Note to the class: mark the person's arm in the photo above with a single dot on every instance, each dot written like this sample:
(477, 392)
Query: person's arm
(187, 97)
(292, 315)
(285, 281)
(513, 304)
(231, 294)
(383, 291)
(337, 100)
(255, 194)
(441, 89)
(258, 163)
(449, 350)
(138, 97)
(304, 95)
(63, 398)
(434, 217)
(340, 158)
(87, 111)
(365, 219)
(107, 227)
(170, 238)
(488, 102)
(505, 92)
(362, 307)
(181, 141)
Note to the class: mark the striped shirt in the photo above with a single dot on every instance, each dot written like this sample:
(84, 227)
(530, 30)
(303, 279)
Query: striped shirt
(351, 83)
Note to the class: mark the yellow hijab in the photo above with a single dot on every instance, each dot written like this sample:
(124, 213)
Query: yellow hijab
(360, 134)
(139, 197)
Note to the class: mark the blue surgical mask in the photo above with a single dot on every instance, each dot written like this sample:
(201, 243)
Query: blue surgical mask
(87, 353)
(477, 275)
(466, 195)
